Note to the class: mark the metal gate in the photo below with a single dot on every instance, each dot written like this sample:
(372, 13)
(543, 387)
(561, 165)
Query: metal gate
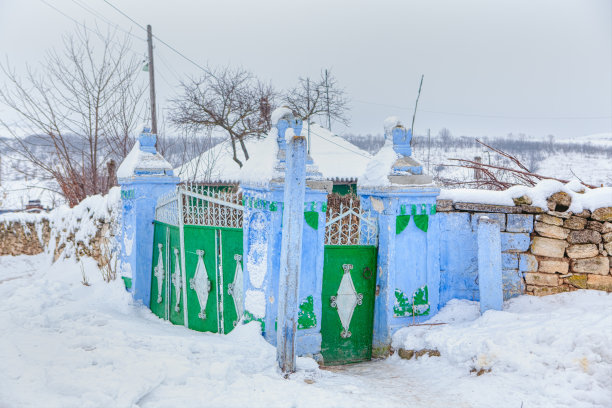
(198, 230)
(349, 283)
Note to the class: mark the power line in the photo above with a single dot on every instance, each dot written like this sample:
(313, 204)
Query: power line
(339, 145)
(96, 33)
(70, 18)
(106, 20)
(157, 38)
(481, 115)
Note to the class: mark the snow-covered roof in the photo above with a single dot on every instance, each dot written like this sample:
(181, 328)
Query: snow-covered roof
(336, 158)
(138, 161)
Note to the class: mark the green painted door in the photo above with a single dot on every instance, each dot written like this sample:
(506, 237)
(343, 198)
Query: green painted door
(166, 274)
(349, 284)
(175, 281)
(159, 273)
(213, 259)
(231, 268)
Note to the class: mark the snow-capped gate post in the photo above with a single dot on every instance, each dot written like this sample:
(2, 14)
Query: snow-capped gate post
(144, 175)
(263, 225)
(404, 199)
(291, 251)
(489, 265)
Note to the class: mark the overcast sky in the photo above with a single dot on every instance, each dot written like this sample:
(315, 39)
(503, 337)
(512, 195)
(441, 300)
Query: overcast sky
(491, 67)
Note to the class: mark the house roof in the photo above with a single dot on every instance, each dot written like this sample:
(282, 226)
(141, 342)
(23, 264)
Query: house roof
(337, 159)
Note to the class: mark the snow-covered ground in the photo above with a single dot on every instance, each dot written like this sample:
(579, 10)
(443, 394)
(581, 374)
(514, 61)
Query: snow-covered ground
(63, 344)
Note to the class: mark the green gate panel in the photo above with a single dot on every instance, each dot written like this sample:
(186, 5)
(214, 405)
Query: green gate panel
(231, 245)
(176, 316)
(337, 346)
(159, 237)
(201, 238)
(220, 248)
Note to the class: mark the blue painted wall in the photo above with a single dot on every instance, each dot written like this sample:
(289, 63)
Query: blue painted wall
(139, 194)
(459, 253)
(266, 202)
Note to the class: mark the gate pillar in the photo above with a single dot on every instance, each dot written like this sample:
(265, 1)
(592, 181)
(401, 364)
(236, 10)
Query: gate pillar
(263, 224)
(395, 190)
(144, 175)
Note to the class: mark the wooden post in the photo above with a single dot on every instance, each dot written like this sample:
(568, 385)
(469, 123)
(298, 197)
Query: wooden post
(478, 171)
(152, 81)
(291, 253)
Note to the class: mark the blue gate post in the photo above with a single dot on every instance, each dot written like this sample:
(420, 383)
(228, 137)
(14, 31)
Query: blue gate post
(489, 265)
(291, 252)
(404, 200)
(144, 175)
(263, 224)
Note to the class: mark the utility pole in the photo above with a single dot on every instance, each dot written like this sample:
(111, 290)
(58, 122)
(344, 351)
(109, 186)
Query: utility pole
(428, 149)
(152, 80)
(416, 104)
(308, 110)
(327, 100)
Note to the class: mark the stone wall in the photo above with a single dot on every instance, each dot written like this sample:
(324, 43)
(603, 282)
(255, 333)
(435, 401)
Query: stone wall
(88, 229)
(24, 238)
(544, 251)
(36, 236)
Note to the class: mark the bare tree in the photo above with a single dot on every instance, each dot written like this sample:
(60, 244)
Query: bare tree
(82, 107)
(230, 99)
(318, 98)
(500, 177)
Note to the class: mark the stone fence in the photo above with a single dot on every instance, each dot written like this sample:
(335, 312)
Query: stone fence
(543, 252)
(88, 229)
(36, 236)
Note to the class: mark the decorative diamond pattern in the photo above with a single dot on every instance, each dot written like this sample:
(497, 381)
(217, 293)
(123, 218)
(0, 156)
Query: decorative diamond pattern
(201, 284)
(177, 281)
(160, 273)
(236, 289)
(346, 300)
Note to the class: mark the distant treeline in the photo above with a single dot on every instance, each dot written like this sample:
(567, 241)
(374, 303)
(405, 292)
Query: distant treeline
(515, 145)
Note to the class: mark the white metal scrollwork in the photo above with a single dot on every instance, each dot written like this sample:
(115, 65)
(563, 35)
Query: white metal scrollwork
(235, 289)
(205, 205)
(200, 284)
(349, 224)
(346, 300)
(166, 210)
(177, 280)
(160, 273)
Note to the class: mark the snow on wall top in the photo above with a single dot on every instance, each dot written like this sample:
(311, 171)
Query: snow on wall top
(377, 170)
(390, 123)
(280, 113)
(144, 161)
(589, 199)
(336, 158)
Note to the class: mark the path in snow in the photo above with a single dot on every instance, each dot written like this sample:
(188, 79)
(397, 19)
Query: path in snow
(63, 344)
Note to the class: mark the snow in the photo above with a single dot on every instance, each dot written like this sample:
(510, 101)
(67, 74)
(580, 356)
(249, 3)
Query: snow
(559, 345)
(379, 167)
(282, 112)
(336, 158)
(139, 160)
(255, 302)
(82, 221)
(589, 199)
(15, 194)
(262, 169)
(257, 261)
(391, 122)
(63, 344)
